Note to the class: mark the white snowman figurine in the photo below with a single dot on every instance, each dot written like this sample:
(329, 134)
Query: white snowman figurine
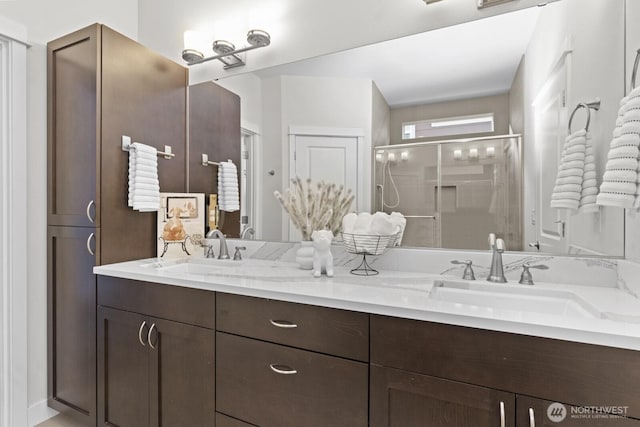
(322, 257)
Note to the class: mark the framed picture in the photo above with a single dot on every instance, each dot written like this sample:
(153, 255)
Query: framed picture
(181, 221)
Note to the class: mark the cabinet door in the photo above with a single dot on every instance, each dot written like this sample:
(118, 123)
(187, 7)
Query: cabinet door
(182, 375)
(214, 129)
(73, 63)
(123, 369)
(532, 412)
(405, 399)
(71, 294)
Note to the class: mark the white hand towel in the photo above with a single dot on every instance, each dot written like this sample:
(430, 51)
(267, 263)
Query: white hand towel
(144, 188)
(568, 187)
(228, 194)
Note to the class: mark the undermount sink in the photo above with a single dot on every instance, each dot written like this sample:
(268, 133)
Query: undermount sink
(518, 298)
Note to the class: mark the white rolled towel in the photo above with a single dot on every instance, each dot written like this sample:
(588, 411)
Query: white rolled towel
(362, 224)
(382, 225)
(399, 219)
(349, 222)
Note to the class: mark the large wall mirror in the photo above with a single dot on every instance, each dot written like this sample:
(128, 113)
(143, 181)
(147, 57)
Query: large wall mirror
(461, 129)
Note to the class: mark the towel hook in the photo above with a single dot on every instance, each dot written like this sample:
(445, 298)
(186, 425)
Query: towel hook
(595, 105)
(634, 74)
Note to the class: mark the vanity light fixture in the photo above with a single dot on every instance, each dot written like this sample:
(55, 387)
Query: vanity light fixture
(225, 51)
(491, 151)
(380, 156)
(391, 156)
(457, 154)
(404, 156)
(473, 153)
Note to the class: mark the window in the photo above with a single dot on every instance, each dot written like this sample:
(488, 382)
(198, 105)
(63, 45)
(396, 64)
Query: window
(462, 125)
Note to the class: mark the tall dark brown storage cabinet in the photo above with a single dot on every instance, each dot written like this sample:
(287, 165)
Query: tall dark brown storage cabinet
(101, 85)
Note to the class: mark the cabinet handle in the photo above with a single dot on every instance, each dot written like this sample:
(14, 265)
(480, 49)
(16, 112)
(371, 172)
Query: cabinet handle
(532, 418)
(283, 324)
(144, 323)
(91, 236)
(91, 219)
(149, 336)
(283, 370)
(502, 420)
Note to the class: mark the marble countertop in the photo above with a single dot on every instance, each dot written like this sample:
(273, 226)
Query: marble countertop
(615, 321)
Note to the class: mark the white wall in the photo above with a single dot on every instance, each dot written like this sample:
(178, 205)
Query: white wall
(311, 102)
(46, 20)
(595, 30)
(299, 29)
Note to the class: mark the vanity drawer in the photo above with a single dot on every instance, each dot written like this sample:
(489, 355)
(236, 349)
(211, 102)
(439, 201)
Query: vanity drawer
(273, 385)
(326, 330)
(555, 370)
(186, 305)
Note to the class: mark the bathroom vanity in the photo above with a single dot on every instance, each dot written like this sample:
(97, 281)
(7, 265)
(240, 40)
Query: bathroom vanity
(262, 344)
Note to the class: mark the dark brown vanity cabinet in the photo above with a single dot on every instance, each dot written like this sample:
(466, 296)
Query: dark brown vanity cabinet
(284, 364)
(156, 352)
(101, 85)
(421, 370)
(402, 398)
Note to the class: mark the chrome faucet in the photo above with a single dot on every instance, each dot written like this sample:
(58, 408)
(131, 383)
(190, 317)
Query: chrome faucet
(496, 274)
(224, 251)
(468, 270)
(248, 230)
(526, 278)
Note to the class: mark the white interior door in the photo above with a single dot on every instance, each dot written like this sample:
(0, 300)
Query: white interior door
(329, 158)
(550, 133)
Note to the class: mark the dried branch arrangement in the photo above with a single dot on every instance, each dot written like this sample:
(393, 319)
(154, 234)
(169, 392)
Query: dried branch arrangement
(315, 207)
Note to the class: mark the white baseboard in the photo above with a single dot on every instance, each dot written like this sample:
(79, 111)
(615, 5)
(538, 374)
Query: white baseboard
(40, 412)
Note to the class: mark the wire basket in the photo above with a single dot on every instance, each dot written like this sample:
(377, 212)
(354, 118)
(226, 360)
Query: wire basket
(367, 244)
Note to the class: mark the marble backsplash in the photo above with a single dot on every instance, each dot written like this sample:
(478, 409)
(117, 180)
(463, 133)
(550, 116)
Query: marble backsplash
(586, 271)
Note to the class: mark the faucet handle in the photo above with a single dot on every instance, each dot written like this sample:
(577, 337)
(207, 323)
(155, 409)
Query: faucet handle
(237, 256)
(468, 270)
(208, 250)
(526, 278)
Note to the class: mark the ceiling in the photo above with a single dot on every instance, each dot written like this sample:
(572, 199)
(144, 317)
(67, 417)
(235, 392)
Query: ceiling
(473, 59)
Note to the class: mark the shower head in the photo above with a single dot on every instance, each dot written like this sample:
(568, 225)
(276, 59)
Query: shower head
(258, 38)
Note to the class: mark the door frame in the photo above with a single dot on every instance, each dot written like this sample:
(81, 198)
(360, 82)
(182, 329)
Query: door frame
(13, 223)
(295, 131)
(255, 153)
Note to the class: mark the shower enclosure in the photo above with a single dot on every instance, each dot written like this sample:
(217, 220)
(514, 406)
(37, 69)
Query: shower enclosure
(454, 192)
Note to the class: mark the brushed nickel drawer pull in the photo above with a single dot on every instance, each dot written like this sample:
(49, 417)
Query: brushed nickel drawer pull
(91, 236)
(283, 370)
(149, 336)
(283, 324)
(532, 418)
(144, 323)
(91, 203)
(502, 419)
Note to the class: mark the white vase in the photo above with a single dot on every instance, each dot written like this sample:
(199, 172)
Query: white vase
(304, 255)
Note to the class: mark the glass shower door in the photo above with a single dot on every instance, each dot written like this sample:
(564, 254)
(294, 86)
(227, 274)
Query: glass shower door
(406, 181)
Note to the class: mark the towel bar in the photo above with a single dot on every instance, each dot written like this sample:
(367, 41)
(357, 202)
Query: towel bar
(167, 154)
(634, 74)
(206, 162)
(595, 105)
